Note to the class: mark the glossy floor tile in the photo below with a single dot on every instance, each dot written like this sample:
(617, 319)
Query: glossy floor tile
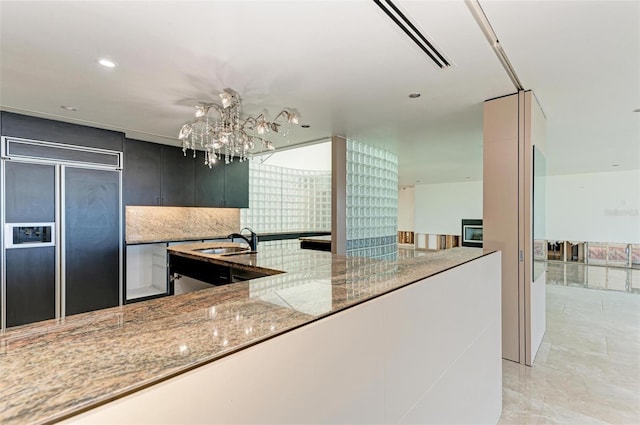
(592, 276)
(587, 370)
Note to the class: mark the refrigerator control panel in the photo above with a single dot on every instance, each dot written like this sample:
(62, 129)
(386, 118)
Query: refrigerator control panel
(28, 235)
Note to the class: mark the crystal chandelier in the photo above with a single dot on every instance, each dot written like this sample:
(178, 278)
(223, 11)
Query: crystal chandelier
(222, 133)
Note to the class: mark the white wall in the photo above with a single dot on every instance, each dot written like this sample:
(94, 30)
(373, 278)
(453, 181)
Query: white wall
(596, 207)
(440, 208)
(406, 209)
(315, 157)
(593, 207)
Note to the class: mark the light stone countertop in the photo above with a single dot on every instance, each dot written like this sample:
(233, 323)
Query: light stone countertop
(321, 239)
(55, 369)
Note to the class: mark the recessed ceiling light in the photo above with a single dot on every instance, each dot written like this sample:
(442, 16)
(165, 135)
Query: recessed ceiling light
(108, 63)
(636, 110)
(467, 177)
(69, 108)
(305, 126)
(615, 165)
(417, 181)
(414, 95)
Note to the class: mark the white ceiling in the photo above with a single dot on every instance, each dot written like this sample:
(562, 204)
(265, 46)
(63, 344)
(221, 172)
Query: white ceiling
(343, 65)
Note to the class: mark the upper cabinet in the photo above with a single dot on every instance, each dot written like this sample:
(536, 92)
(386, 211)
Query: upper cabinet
(162, 175)
(236, 184)
(223, 185)
(177, 184)
(142, 173)
(27, 127)
(210, 184)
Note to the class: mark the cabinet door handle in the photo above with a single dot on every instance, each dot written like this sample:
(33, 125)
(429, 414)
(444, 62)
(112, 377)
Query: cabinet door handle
(158, 200)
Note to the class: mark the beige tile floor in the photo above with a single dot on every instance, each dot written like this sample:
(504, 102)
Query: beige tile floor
(587, 370)
(591, 276)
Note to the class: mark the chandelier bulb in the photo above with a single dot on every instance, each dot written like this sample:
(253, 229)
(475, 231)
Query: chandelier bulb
(226, 99)
(185, 131)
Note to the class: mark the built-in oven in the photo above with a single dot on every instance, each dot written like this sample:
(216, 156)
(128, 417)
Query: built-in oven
(472, 233)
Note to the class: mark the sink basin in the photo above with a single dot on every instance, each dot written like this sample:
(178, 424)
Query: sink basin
(225, 250)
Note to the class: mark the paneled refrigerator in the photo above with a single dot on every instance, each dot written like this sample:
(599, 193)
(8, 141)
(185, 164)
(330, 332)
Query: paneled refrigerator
(61, 213)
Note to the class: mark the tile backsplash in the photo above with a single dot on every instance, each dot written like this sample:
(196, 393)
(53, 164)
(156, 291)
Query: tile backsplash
(149, 224)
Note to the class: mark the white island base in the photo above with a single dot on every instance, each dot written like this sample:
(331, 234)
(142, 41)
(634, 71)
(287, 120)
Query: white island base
(429, 352)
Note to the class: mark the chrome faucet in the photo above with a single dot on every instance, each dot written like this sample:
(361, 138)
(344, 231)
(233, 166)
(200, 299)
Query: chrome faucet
(253, 241)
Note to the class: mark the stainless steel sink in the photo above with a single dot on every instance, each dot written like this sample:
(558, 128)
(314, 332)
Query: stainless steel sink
(225, 250)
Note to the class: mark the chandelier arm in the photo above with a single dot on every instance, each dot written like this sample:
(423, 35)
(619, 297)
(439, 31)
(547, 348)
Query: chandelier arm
(292, 117)
(283, 112)
(264, 142)
(252, 121)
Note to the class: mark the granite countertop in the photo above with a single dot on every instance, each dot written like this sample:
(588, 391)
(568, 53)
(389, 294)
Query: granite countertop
(272, 260)
(152, 240)
(58, 368)
(318, 239)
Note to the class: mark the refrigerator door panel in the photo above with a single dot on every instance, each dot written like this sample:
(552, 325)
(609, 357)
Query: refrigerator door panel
(30, 287)
(91, 238)
(3, 295)
(30, 272)
(30, 193)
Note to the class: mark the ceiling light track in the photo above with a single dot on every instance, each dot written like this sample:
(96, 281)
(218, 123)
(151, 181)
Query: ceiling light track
(410, 29)
(492, 38)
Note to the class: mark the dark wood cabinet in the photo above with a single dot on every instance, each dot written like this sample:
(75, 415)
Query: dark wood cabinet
(92, 239)
(213, 274)
(162, 175)
(236, 184)
(30, 270)
(28, 127)
(31, 285)
(209, 184)
(142, 173)
(178, 178)
(31, 194)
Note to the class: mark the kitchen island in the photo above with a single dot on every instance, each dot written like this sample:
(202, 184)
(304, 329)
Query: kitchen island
(256, 347)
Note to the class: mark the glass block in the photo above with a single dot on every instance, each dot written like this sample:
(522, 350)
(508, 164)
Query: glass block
(372, 182)
(282, 199)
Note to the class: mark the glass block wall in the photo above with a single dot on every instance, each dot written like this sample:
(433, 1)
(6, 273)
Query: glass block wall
(372, 201)
(287, 200)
